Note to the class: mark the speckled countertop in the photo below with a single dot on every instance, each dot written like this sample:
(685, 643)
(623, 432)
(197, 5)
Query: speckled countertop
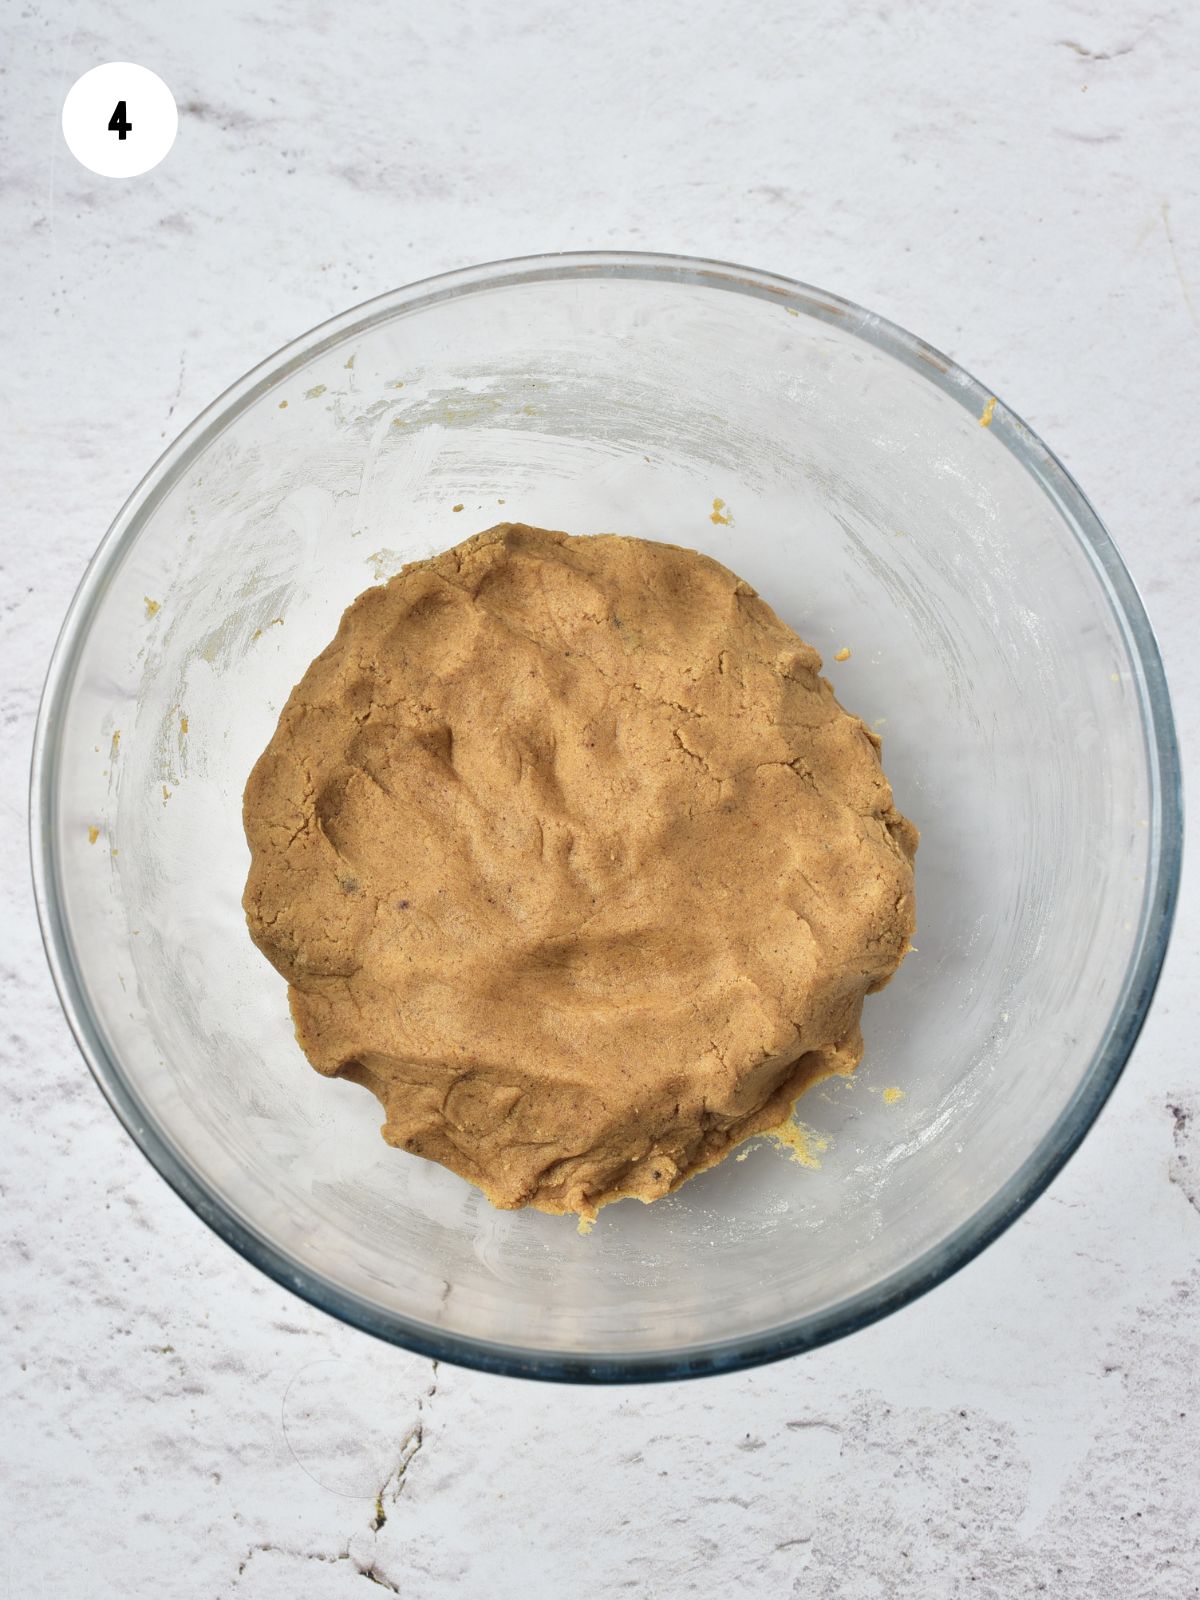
(1019, 184)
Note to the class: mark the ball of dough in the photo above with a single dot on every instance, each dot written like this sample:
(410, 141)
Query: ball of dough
(569, 854)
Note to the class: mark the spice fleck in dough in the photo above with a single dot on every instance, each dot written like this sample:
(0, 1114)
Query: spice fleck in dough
(569, 854)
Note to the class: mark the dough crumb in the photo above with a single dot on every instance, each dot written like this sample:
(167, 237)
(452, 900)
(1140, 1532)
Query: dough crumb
(989, 411)
(804, 1144)
(93, 834)
(843, 654)
(890, 1096)
(720, 513)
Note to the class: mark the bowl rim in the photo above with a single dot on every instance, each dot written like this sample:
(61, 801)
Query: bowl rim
(972, 1235)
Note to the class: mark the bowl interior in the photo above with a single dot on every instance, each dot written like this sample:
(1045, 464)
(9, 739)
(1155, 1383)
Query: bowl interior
(850, 478)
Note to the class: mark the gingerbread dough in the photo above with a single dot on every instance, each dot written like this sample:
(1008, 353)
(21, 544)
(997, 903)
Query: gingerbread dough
(569, 854)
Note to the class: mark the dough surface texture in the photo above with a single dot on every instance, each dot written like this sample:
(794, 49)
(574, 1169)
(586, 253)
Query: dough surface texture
(569, 854)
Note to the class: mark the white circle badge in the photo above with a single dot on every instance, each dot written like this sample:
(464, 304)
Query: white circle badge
(119, 120)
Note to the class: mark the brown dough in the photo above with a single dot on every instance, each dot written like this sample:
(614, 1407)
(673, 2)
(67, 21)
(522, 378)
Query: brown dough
(569, 854)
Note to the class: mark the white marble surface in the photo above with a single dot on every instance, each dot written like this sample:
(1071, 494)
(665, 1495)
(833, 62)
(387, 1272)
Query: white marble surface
(1021, 185)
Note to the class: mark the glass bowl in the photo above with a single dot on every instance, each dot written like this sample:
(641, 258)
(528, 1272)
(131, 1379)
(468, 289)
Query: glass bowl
(882, 501)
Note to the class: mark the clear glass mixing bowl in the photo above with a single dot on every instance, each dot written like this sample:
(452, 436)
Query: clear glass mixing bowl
(881, 500)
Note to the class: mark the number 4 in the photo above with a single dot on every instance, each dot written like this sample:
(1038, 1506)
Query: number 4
(117, 123)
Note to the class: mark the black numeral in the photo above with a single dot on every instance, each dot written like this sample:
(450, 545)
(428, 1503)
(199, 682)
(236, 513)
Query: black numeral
(117, 123)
